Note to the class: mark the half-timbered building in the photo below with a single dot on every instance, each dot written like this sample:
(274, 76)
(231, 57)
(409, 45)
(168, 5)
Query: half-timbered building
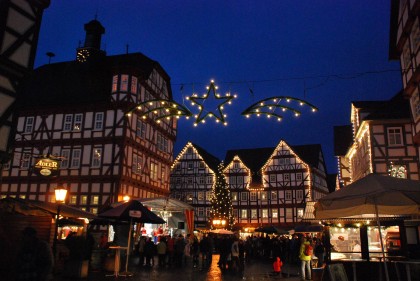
(382, 141)
(20, 22)
(77, 112)
(405, 46)
(270, 186)
(193, 175)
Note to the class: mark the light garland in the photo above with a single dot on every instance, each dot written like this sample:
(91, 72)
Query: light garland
(206, 112)
(268, 107)
(161, 108)
(237, 159)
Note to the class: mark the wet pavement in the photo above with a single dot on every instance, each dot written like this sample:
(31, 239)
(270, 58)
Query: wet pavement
(256, 270)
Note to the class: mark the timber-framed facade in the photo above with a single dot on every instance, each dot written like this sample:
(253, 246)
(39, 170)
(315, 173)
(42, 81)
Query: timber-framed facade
(77, 112)
(382, 141)
(270, 186)
(193, 175)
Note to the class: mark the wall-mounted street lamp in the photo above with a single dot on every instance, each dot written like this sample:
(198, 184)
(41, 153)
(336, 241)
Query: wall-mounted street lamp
(60, 198)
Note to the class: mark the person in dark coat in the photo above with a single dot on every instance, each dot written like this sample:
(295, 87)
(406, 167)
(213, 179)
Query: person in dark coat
(149, 252)
(35, 259)
(179, 250)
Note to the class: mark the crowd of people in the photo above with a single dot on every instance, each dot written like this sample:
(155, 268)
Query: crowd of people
(235, 253)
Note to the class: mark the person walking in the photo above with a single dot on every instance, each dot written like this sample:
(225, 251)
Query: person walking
(161, 251)
(195, 251)
(305, 256)
(235, 256)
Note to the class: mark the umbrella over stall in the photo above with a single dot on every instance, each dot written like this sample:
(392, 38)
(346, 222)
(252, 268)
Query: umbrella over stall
(131, 211)
(373, 194)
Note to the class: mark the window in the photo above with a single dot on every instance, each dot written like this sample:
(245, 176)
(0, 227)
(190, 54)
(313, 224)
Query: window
(84, 200)
(288, 195)
(415, 105)
(94, 210)
(244, 213)
(190, 197)
(232, 180)
(273, 178)
(254, 214)
(200, 212)
(209, 196)
(273, 195)
(68, 122)
(95, 200)
(299, 176)
(189, 150)
(299, 194)
(394, 136)
(240, 180)
(234, 196)
(178, 180)
(236, 165)
(73, 199)
(162, 173)
(65, 158)
(190, 180)
(274, 213)
(263, 195)
(244, 196)
(162, 142)
(398, 171)
(77, 122)
(202, 180)
(124, 83)
(210, 180)
(415, 36)
(99, 121)
(253, 196)
(134, 85)
(75, 158)
(25, 161)
(201, 165)
(289, 213)
(96, 157)
(29, 125)
(190, 165)
(137, 163)
(153, 171)
(200, 196)
(300, 213)
(264, 213)
(114, 83)
(235, 213)
(286, 177)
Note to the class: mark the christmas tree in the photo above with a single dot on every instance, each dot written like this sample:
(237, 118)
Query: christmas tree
(222, 201)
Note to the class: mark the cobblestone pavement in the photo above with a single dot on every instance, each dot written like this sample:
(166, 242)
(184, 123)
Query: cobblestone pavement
(257, 270)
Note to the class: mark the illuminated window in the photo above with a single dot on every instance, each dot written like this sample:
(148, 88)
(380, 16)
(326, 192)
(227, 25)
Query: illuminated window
(114, 83)
(254, 214)
(96, 157)
(29, 124)
(273, 195)
(244, 213)
(274, 213)
(300, 213)
(134, 85)
(83, 200)
(77, 122)
(124, 83)
(209, 196)
(162, 173)
(95, 200)
(73, 199)
(234, 196)
(289, 213)
(264, 213)
(153, 171)
(99, 120)
(137, 163)
(94, 210)
(200, 196)
(394, 136)
(398, 171)
(263, 195)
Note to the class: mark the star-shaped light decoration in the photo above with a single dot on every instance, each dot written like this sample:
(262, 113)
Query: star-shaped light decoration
(211, 104)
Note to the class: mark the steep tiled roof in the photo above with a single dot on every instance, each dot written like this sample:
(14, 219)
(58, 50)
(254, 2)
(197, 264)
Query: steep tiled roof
(75, 83)
(210, 160)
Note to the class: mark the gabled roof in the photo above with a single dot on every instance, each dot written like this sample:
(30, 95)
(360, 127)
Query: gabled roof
(76, 83)
(212, 161)
(255, 158)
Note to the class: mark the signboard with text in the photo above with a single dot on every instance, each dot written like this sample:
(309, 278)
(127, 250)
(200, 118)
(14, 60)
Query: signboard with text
(47, 167)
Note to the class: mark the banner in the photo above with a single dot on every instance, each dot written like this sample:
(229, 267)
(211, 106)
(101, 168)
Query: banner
(189, 218)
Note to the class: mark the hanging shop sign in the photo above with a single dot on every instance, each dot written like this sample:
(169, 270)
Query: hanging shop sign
(47, 167)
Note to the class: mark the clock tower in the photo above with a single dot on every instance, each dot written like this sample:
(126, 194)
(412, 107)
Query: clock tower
(92, 46)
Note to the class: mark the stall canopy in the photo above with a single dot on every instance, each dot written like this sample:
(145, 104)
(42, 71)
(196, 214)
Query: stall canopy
(37, 208)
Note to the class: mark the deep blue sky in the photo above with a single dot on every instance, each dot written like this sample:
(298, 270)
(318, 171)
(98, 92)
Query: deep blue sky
(274, 48)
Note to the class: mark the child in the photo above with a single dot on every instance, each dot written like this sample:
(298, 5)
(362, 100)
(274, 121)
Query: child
(277, 264)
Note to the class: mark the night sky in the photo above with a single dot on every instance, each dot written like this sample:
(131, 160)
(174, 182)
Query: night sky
(328, 53)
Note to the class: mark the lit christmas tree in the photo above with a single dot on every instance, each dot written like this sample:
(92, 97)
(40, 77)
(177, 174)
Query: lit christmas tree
(221, 201)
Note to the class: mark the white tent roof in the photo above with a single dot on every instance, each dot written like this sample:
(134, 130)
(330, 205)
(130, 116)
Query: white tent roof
(165, 204)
